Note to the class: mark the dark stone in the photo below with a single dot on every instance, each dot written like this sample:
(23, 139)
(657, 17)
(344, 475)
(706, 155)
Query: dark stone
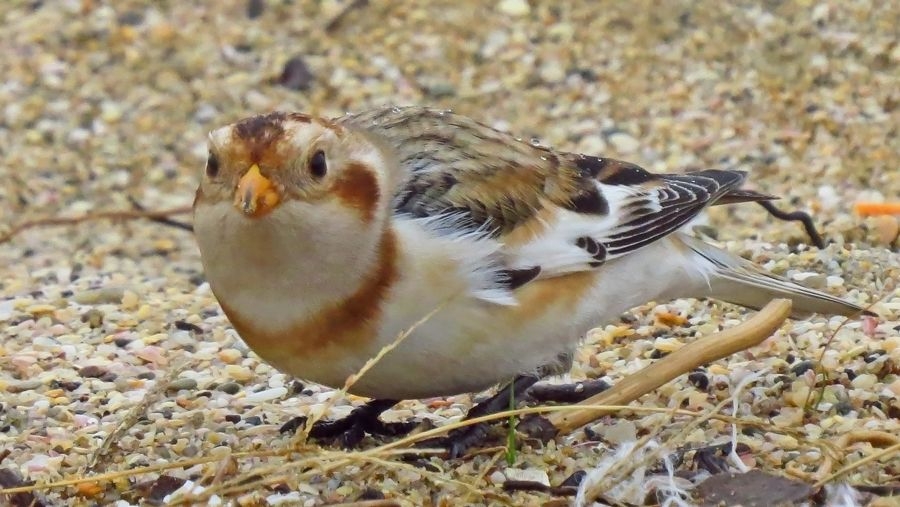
(296, 75)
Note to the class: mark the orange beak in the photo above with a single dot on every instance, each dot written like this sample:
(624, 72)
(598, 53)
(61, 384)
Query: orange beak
(255, 195)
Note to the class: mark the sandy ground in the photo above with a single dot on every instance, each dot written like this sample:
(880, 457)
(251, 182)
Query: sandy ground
(109, 332)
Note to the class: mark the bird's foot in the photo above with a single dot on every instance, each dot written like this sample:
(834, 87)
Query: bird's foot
(350, 430)
(460, 440)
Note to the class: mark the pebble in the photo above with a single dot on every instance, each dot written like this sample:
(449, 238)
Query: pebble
(230, 387)
(592, 144)
(864, 381)
(296, 75)
(514, 7)
(886, 228)
(811, 279)
(894, 387)
(573, 75)
(619, 432)
(102, 295)
(25, 385)
(93, 371)
(833, 281)
(93, 318)
(39, 310)
(802, 367)
(152, 354)
(527, 475)
(239, 373)
(230, 356)
(497, 478)
(130, 300)
(624, 143)
(255, 8)
(182, 383)
(266, 395)
(552, 71)
(6, 309)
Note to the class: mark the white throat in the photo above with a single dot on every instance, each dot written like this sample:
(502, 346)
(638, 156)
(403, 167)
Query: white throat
(285, 266)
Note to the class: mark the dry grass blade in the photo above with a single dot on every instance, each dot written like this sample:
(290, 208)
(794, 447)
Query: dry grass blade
(889, 443)
(685, 359)
(108, 215)
(329, 460)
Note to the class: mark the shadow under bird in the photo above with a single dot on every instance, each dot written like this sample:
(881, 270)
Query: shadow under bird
(324, 239)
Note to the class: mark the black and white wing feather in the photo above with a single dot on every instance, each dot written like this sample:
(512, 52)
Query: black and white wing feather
(555, 212)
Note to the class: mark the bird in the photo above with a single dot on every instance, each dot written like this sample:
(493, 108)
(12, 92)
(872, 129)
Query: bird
(323, 239)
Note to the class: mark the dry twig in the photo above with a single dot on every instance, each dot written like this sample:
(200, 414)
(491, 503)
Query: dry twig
(685, 359)
(890, 444)
(88, 217)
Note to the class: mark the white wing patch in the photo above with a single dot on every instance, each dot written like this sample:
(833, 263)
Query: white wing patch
(638, 216)
(472, 257)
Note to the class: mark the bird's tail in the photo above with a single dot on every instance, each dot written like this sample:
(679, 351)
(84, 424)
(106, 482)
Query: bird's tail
(741, 282)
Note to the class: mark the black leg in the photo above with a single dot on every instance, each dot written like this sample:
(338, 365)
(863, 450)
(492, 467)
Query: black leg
(459, 440)
(350, 430)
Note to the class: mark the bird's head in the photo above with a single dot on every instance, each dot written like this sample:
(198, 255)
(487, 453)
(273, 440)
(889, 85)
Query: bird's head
(288, 199)
(278, 160)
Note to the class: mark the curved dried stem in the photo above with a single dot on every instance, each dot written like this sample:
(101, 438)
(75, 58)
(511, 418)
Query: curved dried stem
(88, 217)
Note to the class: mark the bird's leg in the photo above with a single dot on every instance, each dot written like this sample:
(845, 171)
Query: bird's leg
(352, 428)
(459, 440)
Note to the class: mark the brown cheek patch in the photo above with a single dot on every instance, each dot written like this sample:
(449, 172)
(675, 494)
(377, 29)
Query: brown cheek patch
(350, 323)
(357, 188)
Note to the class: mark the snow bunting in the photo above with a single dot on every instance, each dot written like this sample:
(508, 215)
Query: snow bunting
(324, 239)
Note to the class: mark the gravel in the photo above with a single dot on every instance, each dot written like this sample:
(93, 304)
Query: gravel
(110, 334)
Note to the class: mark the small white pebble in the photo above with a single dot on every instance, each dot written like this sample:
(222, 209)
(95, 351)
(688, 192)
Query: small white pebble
(6, 309)
(810, 279)
(592, 143)
(497, 478)
(829, 197)
(514, 7)
(864, 381)
(624, 143)
(620, 432)
(552, 72)
(292, 498)
(185, 488)
(266, 395)
(528, 475)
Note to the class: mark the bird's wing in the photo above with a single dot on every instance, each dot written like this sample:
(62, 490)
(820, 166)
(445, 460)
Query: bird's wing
(555, 212)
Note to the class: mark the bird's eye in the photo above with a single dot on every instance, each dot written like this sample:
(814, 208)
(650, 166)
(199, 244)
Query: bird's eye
(212, 165)
(317, 165)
